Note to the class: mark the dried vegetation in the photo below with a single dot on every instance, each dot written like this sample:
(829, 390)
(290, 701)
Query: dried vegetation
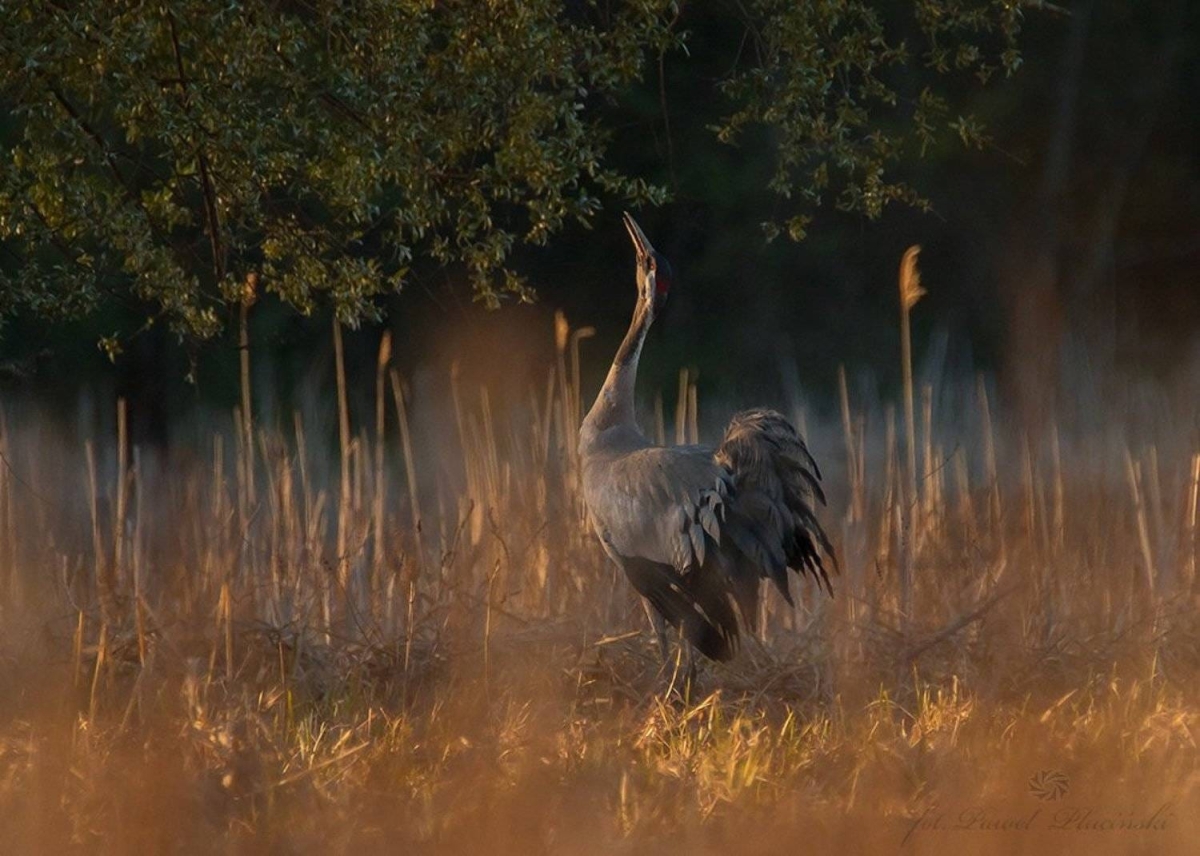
(336, 634)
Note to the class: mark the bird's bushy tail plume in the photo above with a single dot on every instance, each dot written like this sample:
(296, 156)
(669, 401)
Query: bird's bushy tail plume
(776, 485)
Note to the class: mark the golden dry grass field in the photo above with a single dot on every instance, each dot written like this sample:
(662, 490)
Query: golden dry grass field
(396, 634)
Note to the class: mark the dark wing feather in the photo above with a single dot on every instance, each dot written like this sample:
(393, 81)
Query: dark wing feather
(697, 603)
(776, 484)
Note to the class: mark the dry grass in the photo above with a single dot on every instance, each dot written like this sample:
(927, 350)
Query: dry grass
(395, 632)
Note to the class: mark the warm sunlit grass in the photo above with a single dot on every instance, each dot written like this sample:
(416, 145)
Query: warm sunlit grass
(189, 662)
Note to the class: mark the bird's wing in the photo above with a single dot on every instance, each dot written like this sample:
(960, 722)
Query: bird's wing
(659, 503)
(776, 484)
(659, 513)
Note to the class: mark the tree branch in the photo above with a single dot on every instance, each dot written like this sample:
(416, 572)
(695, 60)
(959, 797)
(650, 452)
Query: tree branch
(211, 214)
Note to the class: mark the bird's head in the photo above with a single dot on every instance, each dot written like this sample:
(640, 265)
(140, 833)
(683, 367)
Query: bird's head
(654, 275)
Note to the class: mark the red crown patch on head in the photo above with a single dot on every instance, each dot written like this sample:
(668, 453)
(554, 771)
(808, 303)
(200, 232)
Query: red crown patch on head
(663, 275)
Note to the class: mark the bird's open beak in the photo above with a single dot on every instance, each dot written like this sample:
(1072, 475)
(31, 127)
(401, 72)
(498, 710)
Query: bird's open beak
(637, 236)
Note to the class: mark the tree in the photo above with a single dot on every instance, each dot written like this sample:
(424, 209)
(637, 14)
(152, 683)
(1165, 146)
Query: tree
(172, 151)
(834, 82)
(178, 152)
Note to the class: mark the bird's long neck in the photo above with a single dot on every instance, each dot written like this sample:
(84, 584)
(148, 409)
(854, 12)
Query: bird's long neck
(614, 405)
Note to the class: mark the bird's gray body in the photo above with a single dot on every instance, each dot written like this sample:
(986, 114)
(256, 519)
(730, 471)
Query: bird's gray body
(695, 528)
(646, 500)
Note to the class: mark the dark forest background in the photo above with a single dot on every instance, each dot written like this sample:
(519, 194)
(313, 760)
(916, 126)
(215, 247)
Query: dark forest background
(1074, 230)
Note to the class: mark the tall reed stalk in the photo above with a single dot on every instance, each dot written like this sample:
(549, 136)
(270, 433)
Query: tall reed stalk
(1192, 525)
(344, 441)
(379, 482)
(910, 292)
(249, 296)
(410, 468)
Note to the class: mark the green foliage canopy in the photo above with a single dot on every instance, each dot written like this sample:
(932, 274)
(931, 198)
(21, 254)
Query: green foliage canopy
(179, 146)
(183, 151)
(829, 80)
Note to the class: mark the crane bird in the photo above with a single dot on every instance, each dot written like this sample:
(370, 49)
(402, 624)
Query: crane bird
(695, 528)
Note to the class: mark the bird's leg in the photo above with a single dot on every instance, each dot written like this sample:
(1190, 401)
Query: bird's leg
(660, 630)
(689, 666)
